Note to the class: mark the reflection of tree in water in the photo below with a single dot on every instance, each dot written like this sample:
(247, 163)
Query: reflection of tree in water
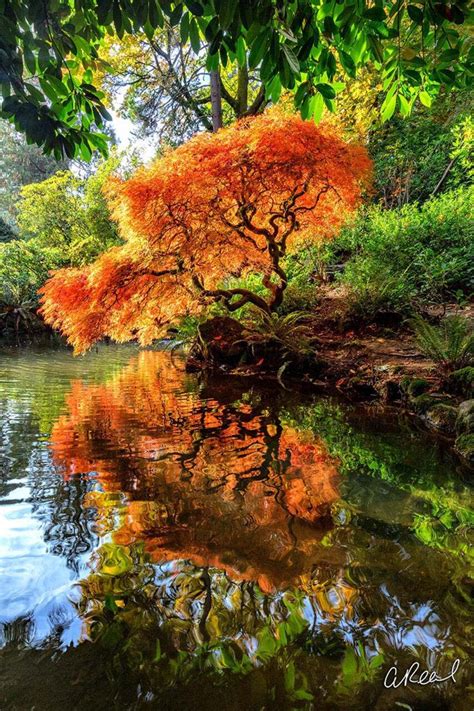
(165, 628)
(220, 483)
(68, 527)
(225, 558)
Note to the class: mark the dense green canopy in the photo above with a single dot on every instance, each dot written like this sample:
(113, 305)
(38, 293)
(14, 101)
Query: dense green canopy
(49, 51)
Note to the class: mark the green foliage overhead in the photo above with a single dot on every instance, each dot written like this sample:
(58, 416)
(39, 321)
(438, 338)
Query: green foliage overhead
(48, 51)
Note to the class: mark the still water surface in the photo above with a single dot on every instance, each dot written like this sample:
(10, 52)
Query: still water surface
(168, 542)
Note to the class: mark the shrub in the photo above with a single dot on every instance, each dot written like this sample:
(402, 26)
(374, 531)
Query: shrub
(70, 214)
(24, 266)
(461, 382)
(429, 152)
(291, 333)
(451, 344)
(402, 259)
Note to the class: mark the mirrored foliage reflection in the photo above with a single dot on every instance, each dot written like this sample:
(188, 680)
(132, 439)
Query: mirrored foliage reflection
(171, 542)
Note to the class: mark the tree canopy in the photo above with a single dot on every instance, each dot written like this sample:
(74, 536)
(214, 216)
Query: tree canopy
(49, 51)
(221, 205)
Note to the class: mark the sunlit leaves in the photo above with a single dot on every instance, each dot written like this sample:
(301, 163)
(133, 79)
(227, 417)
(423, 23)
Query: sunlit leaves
(288, 41)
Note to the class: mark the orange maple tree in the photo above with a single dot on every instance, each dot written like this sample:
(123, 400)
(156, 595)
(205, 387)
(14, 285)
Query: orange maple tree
(222, 205)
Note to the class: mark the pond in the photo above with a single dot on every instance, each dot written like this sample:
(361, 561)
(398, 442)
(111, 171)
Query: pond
(173, 542)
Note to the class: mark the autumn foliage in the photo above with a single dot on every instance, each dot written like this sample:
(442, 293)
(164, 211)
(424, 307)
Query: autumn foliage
(221, 205)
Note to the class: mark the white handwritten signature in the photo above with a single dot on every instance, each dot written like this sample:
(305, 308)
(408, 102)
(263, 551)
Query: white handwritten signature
(392, 681)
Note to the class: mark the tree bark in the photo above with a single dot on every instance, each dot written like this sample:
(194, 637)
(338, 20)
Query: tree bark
(216, 101)
(242, 90)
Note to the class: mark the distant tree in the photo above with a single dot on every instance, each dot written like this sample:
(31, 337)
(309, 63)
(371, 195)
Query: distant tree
(162, 85)
(49, 49)
(428, 153)
(20, 164)
(69, 214)
(222, 205)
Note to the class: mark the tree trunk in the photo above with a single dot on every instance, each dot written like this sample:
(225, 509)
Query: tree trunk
(242, 89)
(216, 101)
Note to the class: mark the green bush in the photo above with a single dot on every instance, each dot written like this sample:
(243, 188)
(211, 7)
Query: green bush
(63, 221)
(24, 267)
(402, 259)
(431, 151)
(69, 213)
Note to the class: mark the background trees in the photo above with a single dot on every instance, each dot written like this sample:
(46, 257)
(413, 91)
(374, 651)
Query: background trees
(49, 50)
(63, 220)
(162, 85)
(219, 206)
(20, 164)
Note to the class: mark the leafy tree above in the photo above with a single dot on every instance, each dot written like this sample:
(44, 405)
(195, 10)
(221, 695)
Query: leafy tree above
(222, 205)
(48, 52)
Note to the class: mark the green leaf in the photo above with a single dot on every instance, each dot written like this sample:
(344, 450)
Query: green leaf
(388, 107)
(103, 9)
(375, 13)
(404, 105)
(301, 93)
(82, 45)
(36, 95)
(326, 90)
(226, 12)
(450, 55)
(155, 15)
(29, 59)
(347, 62)
(291, 59)
(195, 7)
(43, 58)
(425, 99)
(194, 36)
(273, 90)
(415, 13)
(258, 48)
(303, 695)
(49, 90)
(318, 107)
(175, 15)
(241, 52)
(184, 28)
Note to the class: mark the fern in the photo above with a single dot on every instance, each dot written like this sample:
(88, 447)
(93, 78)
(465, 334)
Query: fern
(292, 332)
(451, 344)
